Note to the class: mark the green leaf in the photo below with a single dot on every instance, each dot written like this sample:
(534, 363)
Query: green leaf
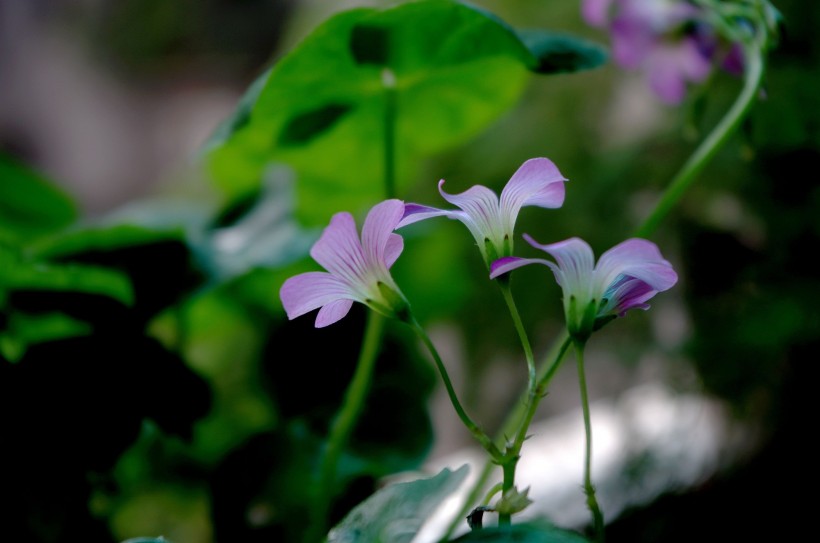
(562, 53)
(31, 206)
(397, 512)
(100, 239)
(24, 330)
(263, 235)
(532, 532)
(322, 107)
(158, 262)
(240, 117)
(17, 273)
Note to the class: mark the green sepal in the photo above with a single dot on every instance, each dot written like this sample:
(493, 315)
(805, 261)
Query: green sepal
(513, 502)
(396, 306)
(600, 322)
(490, 253)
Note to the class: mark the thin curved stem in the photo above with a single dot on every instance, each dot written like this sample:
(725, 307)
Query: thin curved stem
(513, 422)
(345, 422)
(713, 142)
(474, 429)
(522, 333)
(589, 489)
(492, 492)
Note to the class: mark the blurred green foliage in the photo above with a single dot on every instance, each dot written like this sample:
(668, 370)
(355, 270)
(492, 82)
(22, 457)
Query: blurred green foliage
(151, 384)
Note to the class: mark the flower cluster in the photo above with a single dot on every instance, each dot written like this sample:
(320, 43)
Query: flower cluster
(672, 41)
(625, 277)
(358, 269)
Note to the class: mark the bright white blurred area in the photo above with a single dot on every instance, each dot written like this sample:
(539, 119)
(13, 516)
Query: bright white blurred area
(647, 441)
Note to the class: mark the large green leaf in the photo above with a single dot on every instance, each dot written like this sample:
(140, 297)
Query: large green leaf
(158, 262)
(263, 234)
(18, 273)
(397, 512)
(453, 70)
(30, 205)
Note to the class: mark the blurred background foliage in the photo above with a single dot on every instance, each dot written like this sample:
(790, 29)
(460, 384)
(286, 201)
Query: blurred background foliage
(149, 381)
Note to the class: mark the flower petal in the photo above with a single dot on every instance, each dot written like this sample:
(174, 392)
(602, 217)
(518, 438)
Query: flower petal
(378, 228)
(480, 206)
(305, 292)
(392, 250)
(575, 264)
(339, 250)
(333, 312)
(631, 42)
(670, 67)
(627, 293)
(636, 258)
(536, 183)
(417, 212)
(596, 12)
(509, 263)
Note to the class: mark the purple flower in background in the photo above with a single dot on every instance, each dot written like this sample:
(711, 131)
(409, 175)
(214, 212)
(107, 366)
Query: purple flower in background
(357, 271)
(625, 277)
(491, 219)
(668, 39)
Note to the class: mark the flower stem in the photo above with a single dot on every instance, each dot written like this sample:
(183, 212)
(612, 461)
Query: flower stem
(589, 489)
(522, 335)
(514, 421)
(709, 147)
(533, 396)
(474, 429)
(344, 423)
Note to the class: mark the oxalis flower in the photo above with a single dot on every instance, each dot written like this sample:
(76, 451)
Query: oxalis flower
(670, 40)
(357, 271)
(625, 277)
(491, 220)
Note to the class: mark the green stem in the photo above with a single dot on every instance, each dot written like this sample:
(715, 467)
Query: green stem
(389, 82)
(474, 429)
(492, 492)
(713, 142)
(344, 423)
(544, 380)
(504, 285)
(507, 484)
(589, 489)
(515, 420)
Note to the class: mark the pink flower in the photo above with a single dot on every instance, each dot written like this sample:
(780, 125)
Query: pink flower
(670, 40)
(357, 271)
(491, 219)
(625, 277)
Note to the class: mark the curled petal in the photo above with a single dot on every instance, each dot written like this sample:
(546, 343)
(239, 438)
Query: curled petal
(636, 258)
(305, 292)
(480, 206)
(536, 183)
(417, 212)
(378, 229)
(510, 263)
(575, 263)
(333, 312)
(392, 250)
(627, 293)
